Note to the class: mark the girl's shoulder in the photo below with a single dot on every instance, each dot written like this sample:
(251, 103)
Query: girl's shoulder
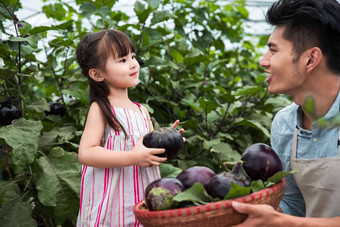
(143, 109)
(95, 111)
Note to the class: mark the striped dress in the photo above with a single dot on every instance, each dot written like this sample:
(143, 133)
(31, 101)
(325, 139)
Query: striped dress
(107, 195)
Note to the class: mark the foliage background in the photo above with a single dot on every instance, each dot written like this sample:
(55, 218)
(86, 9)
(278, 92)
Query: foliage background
(200, 66)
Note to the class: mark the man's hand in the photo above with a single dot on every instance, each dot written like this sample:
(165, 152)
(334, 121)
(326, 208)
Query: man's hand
(258, 215)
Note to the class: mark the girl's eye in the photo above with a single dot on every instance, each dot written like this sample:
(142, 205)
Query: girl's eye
(123, 60)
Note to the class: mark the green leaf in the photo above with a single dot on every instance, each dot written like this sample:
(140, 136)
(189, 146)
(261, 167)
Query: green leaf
(6, 186)
(226, 153)
(248, 90)
(57, 180)
(160, 16)
(207, 105)
(192, 104)
(168, 170)
(277, 177)
(87, 9)
(40, 29)
(208, 144)
(257, 185)
(177, 56)
(57, 135)
(40, 105)
(14, 212)
(153, 3)
(196, 193)
(23, 136)
(237, 191)
(141, 11)
(253, 124)
(309, 106)
(155, 61)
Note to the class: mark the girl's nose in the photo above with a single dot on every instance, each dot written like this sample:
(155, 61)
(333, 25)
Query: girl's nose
(133, 64)
(265, 60)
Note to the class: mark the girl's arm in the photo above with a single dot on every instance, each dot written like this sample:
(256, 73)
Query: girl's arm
(92, 154)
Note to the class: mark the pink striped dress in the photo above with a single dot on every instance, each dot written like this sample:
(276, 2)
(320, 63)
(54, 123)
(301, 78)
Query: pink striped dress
(108, 195)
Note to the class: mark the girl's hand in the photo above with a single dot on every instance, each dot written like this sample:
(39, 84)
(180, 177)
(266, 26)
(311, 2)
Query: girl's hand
(175, 124)
(146, 157)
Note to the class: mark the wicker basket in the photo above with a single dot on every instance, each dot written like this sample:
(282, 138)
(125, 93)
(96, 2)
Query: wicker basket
(213, 214)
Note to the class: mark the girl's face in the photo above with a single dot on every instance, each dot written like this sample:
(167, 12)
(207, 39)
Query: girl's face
(122, 72)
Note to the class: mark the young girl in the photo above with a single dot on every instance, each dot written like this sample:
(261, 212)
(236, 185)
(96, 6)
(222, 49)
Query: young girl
(116, 165)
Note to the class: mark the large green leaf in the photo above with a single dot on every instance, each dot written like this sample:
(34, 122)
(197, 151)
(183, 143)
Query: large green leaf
(15, 213)
(57, 180)
(23, 136)
(40, 105)
(6, 186)
(251, 123)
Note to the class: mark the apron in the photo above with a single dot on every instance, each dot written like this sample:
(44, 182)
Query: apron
(319, 182)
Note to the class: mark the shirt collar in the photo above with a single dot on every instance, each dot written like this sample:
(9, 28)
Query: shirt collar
(334, 110)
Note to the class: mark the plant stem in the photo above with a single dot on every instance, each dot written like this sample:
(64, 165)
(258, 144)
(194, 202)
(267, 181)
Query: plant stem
(6, 157)
(215, 156)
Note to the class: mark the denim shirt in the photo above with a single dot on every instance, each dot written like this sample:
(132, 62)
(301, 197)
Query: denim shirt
(314, 144)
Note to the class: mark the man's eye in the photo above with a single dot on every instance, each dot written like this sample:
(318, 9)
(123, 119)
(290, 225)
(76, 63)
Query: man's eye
(272, 50)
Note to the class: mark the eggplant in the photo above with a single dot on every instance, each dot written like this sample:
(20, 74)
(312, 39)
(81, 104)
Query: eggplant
(159, 194)
(191, 175)
(8, 113)
(260, 161)
(56, 108)
(166, 137)
(220, 184)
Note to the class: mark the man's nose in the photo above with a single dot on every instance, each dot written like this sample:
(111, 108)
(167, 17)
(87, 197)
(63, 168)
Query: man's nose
(265, 60)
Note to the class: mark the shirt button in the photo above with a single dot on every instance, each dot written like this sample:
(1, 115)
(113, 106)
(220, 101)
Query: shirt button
(315, 140)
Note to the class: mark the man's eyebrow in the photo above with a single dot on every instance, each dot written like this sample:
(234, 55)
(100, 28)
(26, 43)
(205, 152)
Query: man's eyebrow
(271, 45)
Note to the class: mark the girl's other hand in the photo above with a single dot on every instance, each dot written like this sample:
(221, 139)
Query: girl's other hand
(175, 124)
(146, 157)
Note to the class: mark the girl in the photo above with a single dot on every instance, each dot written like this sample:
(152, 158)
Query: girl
(116, 165)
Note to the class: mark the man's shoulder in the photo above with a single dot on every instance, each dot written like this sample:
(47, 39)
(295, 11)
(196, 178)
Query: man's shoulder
(287, 115)
(288, 110)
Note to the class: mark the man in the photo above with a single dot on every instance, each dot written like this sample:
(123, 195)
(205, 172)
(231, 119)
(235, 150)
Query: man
(304, 60)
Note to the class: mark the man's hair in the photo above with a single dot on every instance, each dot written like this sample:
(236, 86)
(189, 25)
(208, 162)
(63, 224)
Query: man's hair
(310, 23)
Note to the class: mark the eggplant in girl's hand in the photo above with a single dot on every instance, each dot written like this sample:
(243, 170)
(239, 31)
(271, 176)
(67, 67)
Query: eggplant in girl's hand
(168, 138)
(260, 161)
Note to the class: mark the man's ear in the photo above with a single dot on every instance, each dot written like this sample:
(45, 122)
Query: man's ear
(96, 75)
(313, 58)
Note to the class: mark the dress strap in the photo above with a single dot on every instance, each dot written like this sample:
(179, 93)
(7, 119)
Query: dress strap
(139, 105)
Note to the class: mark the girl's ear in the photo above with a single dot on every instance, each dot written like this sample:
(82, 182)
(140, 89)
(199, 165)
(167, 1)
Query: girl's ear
(96, 75)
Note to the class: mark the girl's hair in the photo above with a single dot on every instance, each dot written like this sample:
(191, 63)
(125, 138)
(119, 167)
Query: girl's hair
(93, 51)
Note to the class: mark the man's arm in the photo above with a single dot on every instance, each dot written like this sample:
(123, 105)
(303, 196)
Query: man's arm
(265, 215)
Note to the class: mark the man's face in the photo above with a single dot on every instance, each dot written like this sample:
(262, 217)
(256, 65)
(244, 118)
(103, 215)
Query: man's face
(284, 75)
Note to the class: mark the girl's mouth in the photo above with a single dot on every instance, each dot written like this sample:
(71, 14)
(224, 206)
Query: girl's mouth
(134, 74)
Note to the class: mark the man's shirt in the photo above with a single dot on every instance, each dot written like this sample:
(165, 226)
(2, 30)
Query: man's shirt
(315, 144)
